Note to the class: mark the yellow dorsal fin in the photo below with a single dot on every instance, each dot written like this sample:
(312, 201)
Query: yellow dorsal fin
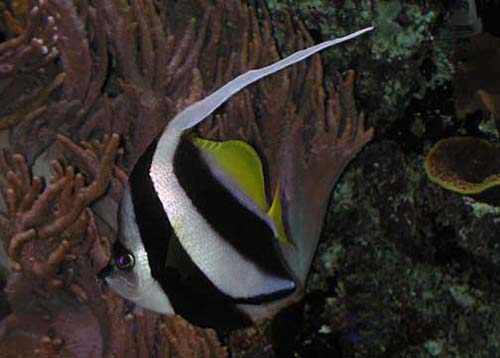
(276, 214)
(241, 163)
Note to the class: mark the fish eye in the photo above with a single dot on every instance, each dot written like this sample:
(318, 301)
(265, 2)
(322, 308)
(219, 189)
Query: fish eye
(125, 261)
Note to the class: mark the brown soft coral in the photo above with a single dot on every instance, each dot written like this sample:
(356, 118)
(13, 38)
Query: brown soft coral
(33, 48)
(156, 68)
(141, 333)
(204, 343)
(36, 217)
(54, 242)
(83, 69)
(31, 51)
(15, 16)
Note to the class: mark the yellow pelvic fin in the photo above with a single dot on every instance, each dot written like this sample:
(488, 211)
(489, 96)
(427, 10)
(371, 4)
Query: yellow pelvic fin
(243, 166)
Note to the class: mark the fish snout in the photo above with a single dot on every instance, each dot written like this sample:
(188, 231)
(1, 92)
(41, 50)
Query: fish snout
(106, 271)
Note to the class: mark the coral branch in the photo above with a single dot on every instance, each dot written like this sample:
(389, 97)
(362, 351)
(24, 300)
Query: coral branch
(48, 269)
(202, 343)
(18, 241)
(83, 196)
(29, 207)
(49, 348)
(31, 105)
(88, 155)
(55, 28)
(73, 46)
(32, 49)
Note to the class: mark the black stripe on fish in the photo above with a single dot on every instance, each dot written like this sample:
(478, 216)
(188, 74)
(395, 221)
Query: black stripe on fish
(152, 221)
(191, 293)
(243, 230)
(195, 298)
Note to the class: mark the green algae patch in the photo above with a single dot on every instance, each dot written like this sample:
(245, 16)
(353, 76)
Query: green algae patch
(466, 165)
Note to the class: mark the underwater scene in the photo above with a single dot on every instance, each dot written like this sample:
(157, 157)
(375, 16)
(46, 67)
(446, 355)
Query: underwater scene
(249, 178)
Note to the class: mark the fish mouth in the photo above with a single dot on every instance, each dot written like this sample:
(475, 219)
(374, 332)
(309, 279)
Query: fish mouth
(105, 272)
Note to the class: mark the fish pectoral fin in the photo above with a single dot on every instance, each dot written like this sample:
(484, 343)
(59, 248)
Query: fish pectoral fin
(237, 166)
(275, 212)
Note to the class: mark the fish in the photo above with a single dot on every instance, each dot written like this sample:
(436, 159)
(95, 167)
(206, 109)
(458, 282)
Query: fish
(196, 235)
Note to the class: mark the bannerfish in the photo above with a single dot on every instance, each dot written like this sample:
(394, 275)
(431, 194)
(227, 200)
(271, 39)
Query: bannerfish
(196, 235)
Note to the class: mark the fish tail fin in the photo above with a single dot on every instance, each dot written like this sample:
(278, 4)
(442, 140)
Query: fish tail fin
(198, 111)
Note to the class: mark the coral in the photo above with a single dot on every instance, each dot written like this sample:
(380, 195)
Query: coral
(33, 216)
(404, 269)
(127, 66)
(156, 78)
(88, 155)
(56, 250)
(31, 105)
(491, 103)
(477, 77)
(146, 334)
(80, 71)
(29, 59)
(252, 342)
(33, 49)
(15, 15)
(466, 165)
(409, 53)
(202, 343)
